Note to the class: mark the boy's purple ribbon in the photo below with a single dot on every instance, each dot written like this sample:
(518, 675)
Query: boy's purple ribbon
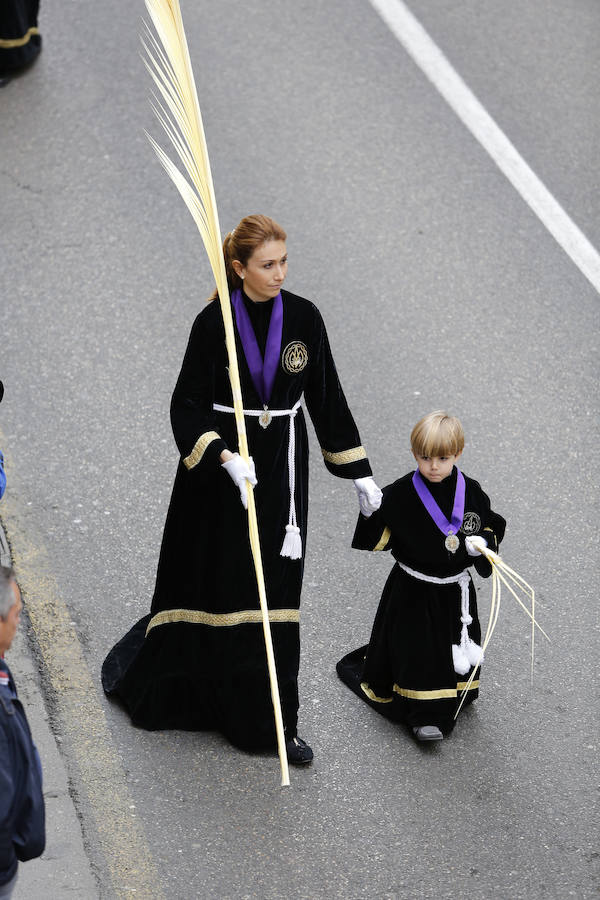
(458, 510)
(262, 372)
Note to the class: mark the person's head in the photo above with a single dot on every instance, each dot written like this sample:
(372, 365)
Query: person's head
(10, 608)
(437, 441)
(256, 257)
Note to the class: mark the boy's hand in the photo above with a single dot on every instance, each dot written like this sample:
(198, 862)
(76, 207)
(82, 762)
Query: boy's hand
(369, 495)
(475, 545)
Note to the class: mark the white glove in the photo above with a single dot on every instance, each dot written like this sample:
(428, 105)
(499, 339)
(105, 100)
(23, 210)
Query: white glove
(240, 472)
(369, 495)
(475, 545)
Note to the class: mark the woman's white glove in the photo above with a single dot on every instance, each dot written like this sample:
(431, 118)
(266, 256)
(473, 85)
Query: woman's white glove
(240, 472)
(475, 545)
(369, 495)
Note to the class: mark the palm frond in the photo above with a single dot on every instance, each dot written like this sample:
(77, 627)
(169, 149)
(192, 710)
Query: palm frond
(502, 574)
(178, 111)
(170, 68)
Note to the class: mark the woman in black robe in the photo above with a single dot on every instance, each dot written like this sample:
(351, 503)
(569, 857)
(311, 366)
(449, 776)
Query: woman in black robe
(198, 660)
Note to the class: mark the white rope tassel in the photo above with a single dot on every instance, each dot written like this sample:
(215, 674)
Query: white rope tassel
(467, 653)
(292, 543)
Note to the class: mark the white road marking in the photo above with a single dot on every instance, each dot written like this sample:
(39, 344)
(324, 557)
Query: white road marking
(432, 62)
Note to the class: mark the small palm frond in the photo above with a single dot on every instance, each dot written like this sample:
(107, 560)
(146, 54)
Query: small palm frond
(503, 574)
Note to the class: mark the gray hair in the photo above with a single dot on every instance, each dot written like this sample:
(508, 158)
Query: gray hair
(7, 595)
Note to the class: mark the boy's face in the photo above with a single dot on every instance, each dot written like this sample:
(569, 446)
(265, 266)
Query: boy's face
(436, 468)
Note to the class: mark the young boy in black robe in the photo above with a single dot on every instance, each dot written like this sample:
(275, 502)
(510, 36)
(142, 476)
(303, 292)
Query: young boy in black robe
(426, 636)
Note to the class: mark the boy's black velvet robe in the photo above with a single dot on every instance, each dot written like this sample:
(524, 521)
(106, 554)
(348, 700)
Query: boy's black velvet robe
(203, 661)
(406, 671)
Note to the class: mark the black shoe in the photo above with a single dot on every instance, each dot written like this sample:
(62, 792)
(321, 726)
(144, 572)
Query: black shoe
(298, 752)
(427, 733)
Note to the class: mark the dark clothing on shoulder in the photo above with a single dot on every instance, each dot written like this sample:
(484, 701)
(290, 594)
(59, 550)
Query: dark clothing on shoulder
(22, 814)
(406, 671)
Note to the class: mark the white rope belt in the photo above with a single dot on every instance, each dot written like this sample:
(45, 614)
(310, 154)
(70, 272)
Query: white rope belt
(467, 653)
(292, 544)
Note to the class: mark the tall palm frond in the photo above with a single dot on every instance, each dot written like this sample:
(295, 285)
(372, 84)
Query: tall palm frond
(168, 62)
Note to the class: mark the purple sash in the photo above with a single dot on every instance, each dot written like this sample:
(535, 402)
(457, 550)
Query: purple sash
(262, 372)
(458, 510)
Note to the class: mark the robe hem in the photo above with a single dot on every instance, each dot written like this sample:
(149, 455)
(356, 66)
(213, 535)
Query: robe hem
(202, 617)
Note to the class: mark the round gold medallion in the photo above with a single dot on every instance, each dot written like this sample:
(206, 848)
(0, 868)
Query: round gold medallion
(294, 358)
(452, 543)
(265, 418)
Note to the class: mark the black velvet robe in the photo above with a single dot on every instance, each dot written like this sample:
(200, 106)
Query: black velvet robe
(202, 663)
(20, 41)
(406, 671)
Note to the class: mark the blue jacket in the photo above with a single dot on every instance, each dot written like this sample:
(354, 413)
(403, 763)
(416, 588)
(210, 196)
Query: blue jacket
(2, 474)
(22, 814)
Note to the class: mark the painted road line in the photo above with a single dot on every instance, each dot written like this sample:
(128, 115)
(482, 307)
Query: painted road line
(432, 62)
(92, 759)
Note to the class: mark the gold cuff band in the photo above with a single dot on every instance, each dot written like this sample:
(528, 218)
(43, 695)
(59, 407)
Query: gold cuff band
(344, 456)
(383, 540)
(199, 448)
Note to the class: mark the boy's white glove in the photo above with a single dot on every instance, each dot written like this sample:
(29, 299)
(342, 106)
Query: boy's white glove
(240, 472)
(369, 495)
(475, 545)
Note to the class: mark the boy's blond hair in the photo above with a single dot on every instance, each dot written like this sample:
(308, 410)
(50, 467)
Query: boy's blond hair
(437, 434)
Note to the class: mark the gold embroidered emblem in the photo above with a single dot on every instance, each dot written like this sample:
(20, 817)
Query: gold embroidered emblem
(294, 358)
(471, 523)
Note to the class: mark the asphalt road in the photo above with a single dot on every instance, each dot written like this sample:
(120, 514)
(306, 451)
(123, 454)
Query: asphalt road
(440, 288)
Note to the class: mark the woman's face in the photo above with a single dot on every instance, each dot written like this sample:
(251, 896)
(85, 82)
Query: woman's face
(265, 271)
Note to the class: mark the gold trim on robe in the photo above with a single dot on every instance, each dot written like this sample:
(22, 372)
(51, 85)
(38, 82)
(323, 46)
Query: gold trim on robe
(367, 690)
(199, 448)
(201, 617)
(443, 693)
(11, 43)
(344, 456)
(383, 540)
